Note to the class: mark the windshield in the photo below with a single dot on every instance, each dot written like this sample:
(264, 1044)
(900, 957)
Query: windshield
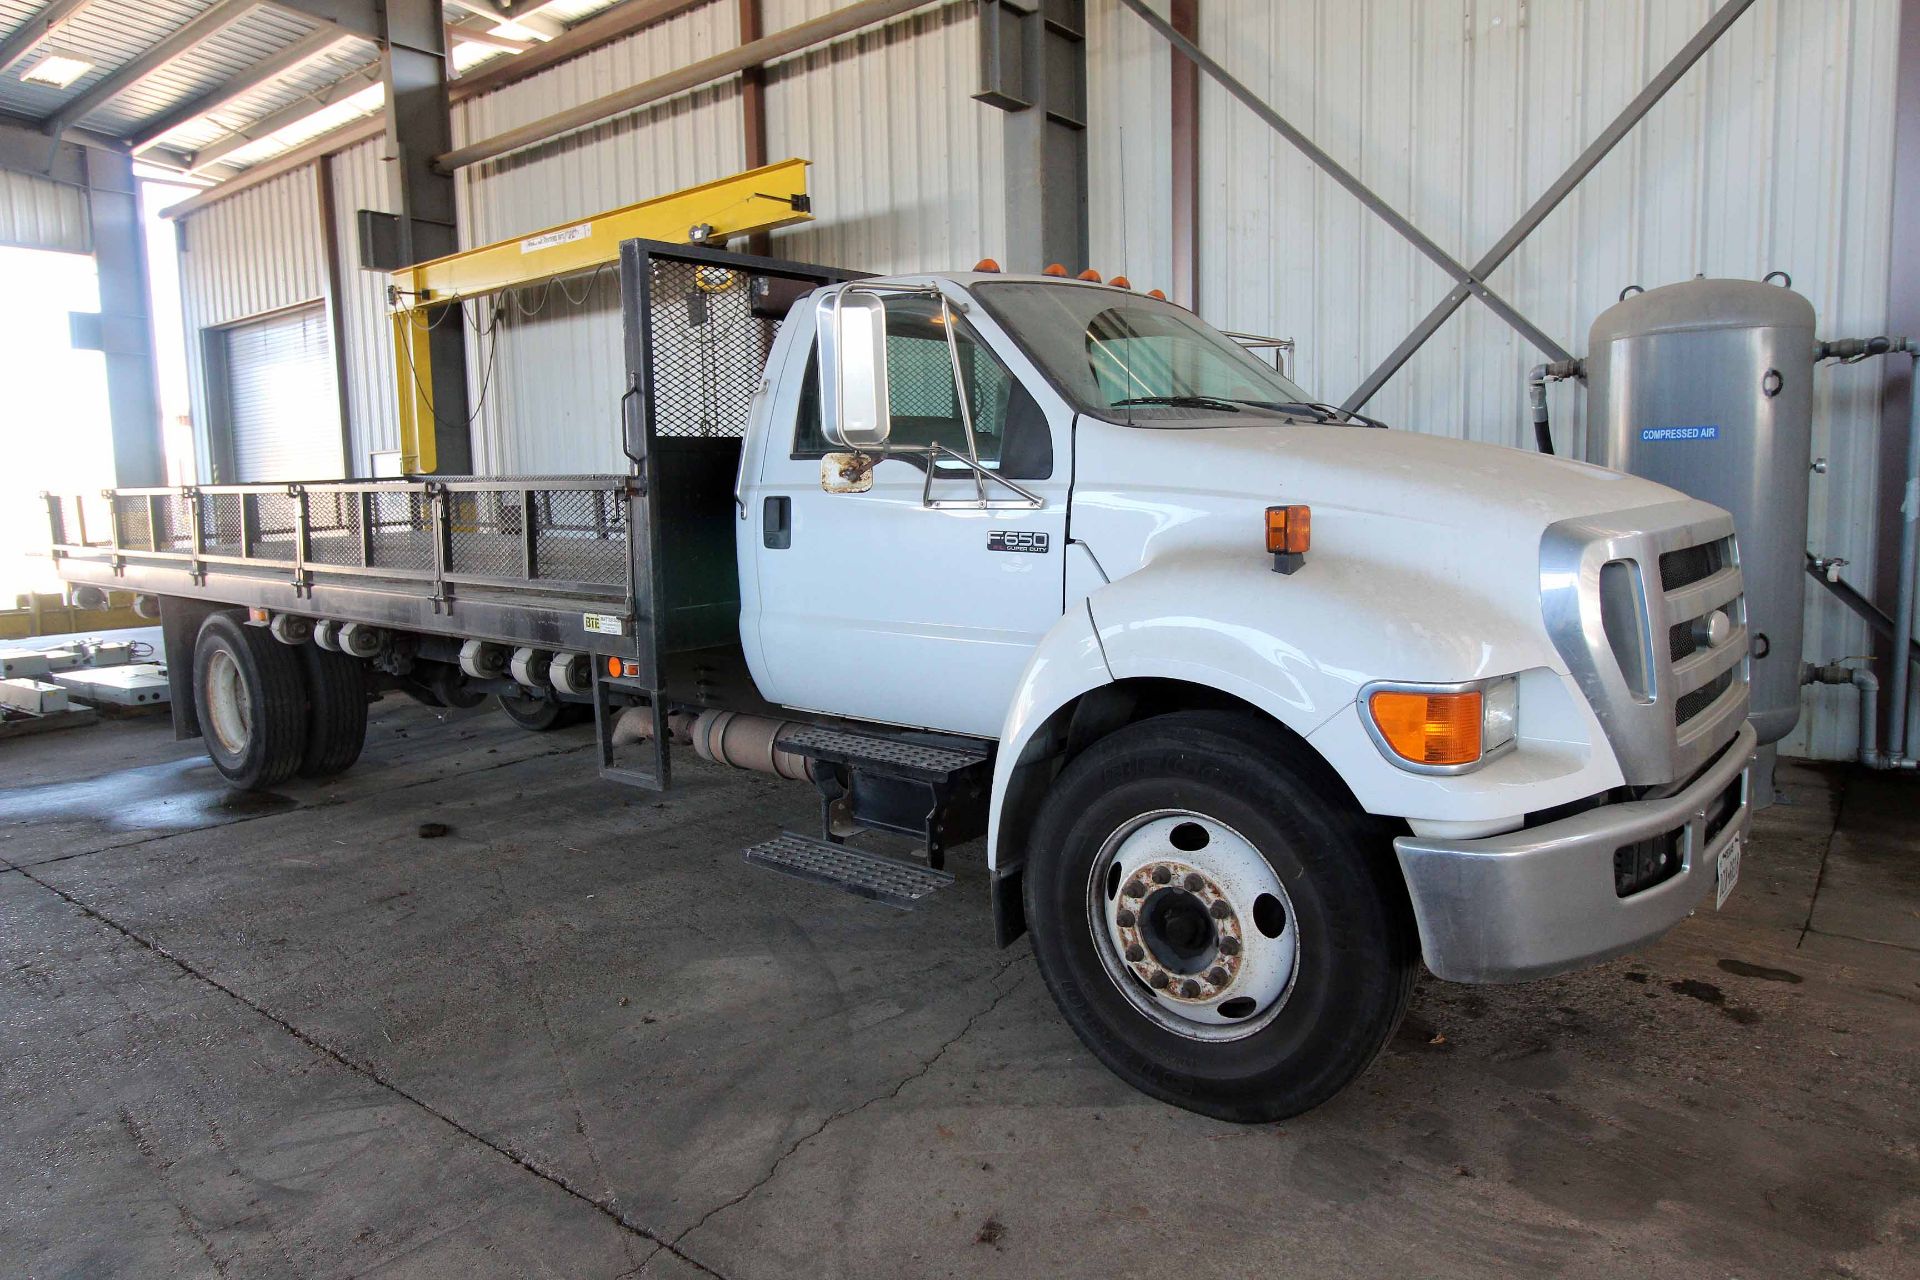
(1114, 353)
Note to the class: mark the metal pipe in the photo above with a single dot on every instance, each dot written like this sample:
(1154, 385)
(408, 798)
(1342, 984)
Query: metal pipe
(1469, 281)
(1550, 199)
(1537, 397)
(778, 45)
(1898, 742)
(1863, 679)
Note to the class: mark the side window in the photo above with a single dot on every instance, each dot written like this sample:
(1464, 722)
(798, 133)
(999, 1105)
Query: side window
(1009, 430)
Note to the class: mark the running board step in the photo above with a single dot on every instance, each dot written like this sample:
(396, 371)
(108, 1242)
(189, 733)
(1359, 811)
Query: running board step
(898, 884)
(893, 756)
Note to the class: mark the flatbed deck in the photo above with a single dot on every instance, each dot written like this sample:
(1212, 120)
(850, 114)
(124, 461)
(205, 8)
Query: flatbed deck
(546, 561)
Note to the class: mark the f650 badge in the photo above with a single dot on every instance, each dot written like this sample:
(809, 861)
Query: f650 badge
(1017, 540)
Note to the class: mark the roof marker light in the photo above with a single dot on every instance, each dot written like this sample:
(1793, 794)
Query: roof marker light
(1090, 274)
(1054, 269)
(986, 264)
(1121, 282)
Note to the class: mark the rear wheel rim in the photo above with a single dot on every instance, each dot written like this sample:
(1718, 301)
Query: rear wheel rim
(228, 705)
(1192, 925)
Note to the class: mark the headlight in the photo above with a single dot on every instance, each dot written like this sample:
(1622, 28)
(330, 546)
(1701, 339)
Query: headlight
(1443, 728)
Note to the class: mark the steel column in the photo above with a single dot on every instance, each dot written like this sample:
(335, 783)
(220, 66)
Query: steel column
(126, 324)
(413, 63)
(1185, 159)
(1034, 67)
(1550, 199)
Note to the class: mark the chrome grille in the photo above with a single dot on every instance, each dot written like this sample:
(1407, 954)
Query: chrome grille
(1667, 698)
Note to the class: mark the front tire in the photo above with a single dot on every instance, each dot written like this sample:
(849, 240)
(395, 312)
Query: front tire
(251, 703)
(1216, 919)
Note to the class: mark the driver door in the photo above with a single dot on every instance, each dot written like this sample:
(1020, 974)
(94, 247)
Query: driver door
(885, 605)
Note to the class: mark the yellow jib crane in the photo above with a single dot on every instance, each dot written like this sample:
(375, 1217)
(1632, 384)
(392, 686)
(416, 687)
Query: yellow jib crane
(747, 203)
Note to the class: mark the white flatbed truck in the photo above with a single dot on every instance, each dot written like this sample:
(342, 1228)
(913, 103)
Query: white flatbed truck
(1257, 706)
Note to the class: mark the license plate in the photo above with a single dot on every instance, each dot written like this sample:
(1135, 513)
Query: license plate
(1727, 874)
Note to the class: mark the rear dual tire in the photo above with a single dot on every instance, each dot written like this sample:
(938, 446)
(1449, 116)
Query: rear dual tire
(268, 712)
(1217, 921)
(543, 715)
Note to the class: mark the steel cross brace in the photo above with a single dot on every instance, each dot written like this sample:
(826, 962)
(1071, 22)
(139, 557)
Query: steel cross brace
(1470, 281)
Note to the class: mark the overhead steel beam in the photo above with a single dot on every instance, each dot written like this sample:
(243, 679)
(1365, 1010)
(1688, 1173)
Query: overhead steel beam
(355, 17)
(1691, 52)
(603, 28)
(267, 170)
(803, 35)
(304, 49)
(40, 27)
(266, 126)
(202, 25)
(1358, 189)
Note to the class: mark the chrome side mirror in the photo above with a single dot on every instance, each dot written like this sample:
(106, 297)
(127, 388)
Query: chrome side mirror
(854, 411)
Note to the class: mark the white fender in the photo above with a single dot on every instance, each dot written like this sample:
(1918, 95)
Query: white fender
(1067, 664)
(1300, 647)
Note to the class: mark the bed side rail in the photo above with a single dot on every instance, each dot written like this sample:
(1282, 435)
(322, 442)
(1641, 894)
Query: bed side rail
(559, 535)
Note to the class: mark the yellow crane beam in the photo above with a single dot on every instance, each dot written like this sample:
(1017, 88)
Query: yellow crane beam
(745, 204)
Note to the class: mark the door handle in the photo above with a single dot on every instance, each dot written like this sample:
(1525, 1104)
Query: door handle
(776, 522)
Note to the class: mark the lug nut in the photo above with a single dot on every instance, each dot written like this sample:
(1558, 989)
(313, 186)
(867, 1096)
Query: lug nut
(1135, 889)
(1219, 910)
(1136, 953)
(1161, 875)
(1124, 918)
(1189, 988)
(1218, 977)
(1158, 981)
(1229, 946)
(1194, 882)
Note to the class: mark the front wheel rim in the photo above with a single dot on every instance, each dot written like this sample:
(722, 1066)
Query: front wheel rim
(1192, 925)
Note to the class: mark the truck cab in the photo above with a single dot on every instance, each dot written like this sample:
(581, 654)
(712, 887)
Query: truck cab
(1511, 689)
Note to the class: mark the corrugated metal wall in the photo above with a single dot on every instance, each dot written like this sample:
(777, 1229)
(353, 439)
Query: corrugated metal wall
(1774, 152)
(260, 251)
(36, 213)
(360, 182)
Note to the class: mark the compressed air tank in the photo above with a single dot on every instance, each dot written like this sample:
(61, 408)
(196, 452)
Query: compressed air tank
(1707, 386)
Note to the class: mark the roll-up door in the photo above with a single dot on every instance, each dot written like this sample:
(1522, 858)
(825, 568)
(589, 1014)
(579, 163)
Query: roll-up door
(283, 409)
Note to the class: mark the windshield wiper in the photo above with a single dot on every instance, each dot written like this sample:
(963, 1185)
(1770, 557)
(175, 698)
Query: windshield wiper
(1183, 402)
(1318, 412)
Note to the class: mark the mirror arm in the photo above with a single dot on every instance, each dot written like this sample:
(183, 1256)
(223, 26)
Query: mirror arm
(980, 476)
(960, 395)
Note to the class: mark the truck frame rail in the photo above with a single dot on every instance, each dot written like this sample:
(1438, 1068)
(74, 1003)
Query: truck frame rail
(546, 561)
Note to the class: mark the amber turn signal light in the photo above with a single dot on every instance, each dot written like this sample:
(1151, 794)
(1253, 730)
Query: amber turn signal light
(1289, 529)
(1428, 728)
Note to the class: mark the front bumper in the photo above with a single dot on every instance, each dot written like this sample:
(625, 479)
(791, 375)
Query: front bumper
(1538, 901)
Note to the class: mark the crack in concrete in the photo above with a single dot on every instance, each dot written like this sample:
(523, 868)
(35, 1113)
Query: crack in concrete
(340, 1057)
(837, 1116)
(330, 802)
(1820, 876)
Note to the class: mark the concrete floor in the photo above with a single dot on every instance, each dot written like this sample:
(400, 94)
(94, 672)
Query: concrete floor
(577, 1036)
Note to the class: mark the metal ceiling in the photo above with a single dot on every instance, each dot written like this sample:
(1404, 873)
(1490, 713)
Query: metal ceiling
(244, 90)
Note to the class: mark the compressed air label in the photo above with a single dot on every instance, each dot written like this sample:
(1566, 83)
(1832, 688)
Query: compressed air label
(1654, 434)
(604, 624)
(549, 239)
